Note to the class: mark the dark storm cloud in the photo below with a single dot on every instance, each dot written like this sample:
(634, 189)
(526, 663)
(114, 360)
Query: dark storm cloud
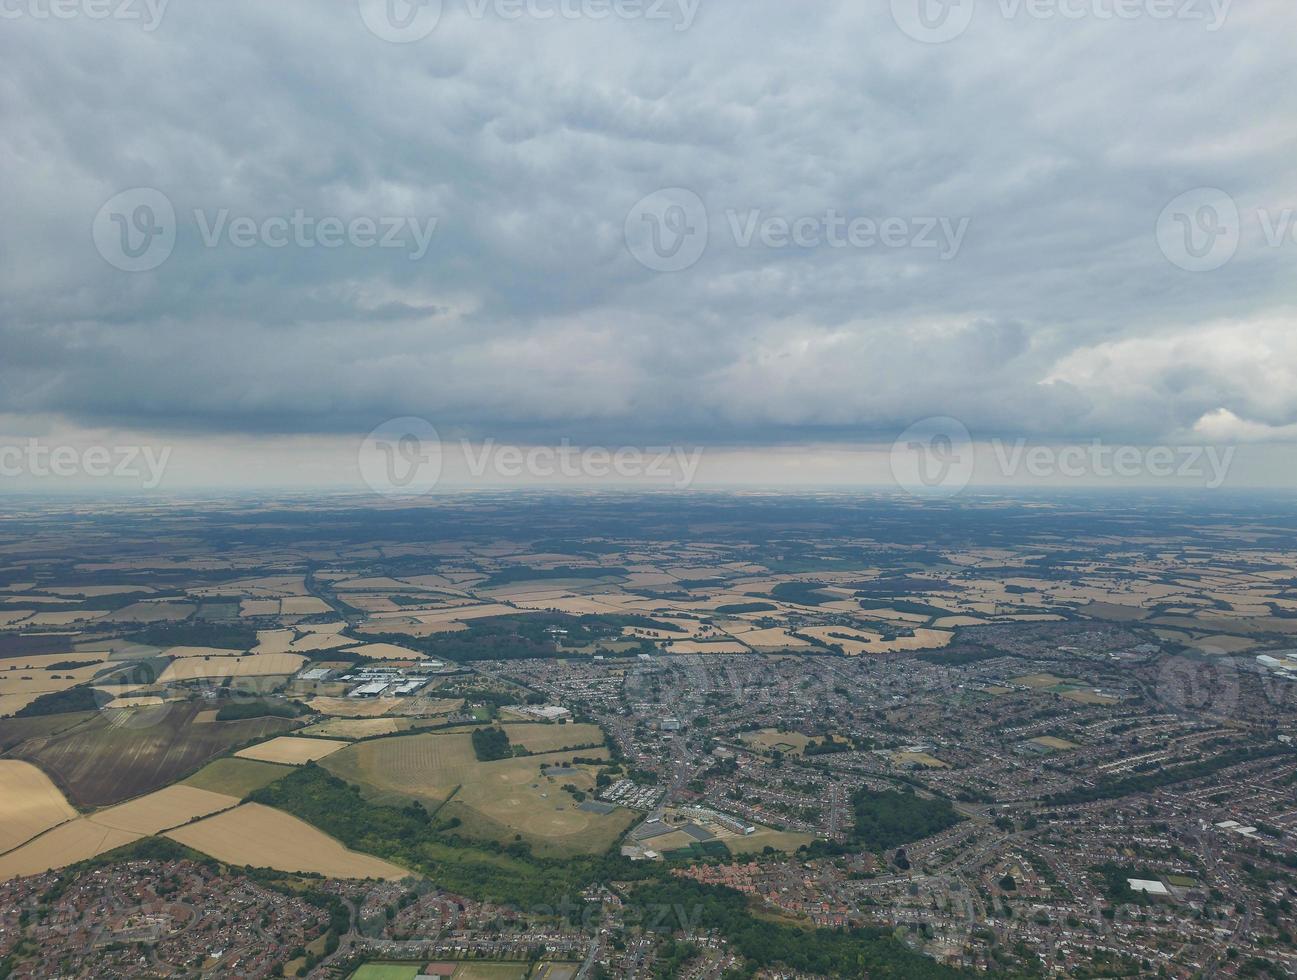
(1053, 144)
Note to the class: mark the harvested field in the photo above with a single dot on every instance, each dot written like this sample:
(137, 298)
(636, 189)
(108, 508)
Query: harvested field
(306, 605)
(698, 646)
(254, 665)
(66, 844)
(262, 837)
(353, 707)
(120, 754)
(354, 728)
(163, 810)
(236, 777)
(387, 651)
(289, 751)
(85, 837)
(29, 803)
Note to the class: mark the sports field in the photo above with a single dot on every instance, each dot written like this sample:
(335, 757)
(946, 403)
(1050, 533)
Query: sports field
(263, 837)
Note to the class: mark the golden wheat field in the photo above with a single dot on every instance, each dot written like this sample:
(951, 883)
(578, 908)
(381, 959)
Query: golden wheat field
(263, 837)
(29, 803)
(66, 844)
(166, 808)
(256, 665)
(290, 751)
(82, 838)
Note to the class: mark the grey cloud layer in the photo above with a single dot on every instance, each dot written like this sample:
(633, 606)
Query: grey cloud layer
(530, 141)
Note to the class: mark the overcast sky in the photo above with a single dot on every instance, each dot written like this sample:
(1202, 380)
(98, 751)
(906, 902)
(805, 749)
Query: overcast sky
(730, 223)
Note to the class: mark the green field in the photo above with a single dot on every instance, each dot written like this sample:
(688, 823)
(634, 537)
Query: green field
(237, 777)
(426, 768)
(540, 737)
(493, 800)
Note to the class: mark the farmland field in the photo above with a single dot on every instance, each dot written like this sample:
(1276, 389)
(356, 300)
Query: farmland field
(353, 707)
(263, 837)
(66, 844)
(422, 767)
(255, 665)
(87, 836)
(162, 810)
(291, 751)
(29, 803)
(494, 800)
(15, 731)
(236, 777)
(120, 754)
(357, 727)
(552, 738)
